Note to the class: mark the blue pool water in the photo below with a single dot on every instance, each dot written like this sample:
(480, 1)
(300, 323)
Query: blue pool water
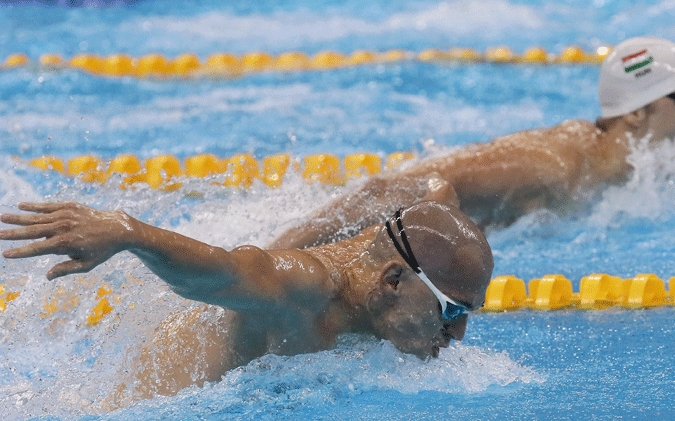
(521, 365)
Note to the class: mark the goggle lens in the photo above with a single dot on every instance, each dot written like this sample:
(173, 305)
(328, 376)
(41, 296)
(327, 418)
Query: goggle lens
(453, 311)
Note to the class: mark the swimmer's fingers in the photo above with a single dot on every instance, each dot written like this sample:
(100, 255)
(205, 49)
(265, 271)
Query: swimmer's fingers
(33, 232)
(29, 219)
(45, 213)
(54, 245)
(47, 207)
(69, 267)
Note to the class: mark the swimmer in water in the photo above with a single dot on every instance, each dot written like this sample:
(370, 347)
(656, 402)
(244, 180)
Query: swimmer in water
(555, 168)
(412, 280)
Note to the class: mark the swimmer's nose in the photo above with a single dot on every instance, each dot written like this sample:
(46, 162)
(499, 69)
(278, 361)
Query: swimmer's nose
(456, 328)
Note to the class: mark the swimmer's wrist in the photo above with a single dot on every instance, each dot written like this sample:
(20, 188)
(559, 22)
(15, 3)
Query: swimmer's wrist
(145, 239)
(132, 233)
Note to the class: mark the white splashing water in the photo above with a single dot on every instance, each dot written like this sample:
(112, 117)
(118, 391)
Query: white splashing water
(55, 365)
(355, 366)
(650, 191)
(292, 30)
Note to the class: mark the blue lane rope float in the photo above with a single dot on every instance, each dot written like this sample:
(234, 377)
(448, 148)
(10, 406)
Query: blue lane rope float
(185, 65)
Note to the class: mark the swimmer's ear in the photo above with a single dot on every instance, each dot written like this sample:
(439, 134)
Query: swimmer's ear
(391, 275)
(635, 119)
(385, 293)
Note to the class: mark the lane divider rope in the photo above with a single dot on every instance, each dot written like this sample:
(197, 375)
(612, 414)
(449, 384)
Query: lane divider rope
(505, 293)
(596, 292)
(241, 170)
(230, 65)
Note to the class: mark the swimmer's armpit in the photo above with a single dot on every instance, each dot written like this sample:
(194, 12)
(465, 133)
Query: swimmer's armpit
(194, 269)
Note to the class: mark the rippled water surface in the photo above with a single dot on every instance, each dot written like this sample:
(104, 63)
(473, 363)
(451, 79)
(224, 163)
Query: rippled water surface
(521, 365)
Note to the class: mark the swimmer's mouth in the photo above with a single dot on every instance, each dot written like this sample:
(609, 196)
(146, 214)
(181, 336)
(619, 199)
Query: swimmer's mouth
(435, 349)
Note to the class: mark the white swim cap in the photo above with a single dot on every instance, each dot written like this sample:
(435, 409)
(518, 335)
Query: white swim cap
(637, 72)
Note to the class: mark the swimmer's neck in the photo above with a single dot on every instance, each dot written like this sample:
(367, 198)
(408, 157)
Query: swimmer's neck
(607, 155)
(353, 271)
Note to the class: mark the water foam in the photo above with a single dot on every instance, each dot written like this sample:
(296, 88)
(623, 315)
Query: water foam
(354, 367)
(13, 188)
(56, 366)
(650, 191)
(297, 29)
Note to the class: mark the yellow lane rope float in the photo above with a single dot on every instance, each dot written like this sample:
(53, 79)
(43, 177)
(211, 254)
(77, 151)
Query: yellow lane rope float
(596, 292)
(505, 293)
(230, 65)
(240, 170)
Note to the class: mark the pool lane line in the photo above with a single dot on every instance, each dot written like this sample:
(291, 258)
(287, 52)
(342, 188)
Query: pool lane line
(240, 170)
(596, 292)
(505, 293)
(228, 65)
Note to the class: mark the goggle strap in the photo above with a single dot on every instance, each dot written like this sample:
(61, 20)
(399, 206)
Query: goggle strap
(400, 250)
(442, 298)
(412, 260)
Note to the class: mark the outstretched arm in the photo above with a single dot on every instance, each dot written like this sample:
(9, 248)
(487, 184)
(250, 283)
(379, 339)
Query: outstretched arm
(524, 162)
(243, 278)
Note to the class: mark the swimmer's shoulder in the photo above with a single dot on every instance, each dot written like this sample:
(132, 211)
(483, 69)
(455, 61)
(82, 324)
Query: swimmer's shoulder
(579, 127)
(565, 133)
(334, 270)
(338, 257)
(568, 137)
(574, 131)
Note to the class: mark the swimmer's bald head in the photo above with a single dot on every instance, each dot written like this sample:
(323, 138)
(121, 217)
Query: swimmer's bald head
(448, 246)
(417, 315)
(450, 249)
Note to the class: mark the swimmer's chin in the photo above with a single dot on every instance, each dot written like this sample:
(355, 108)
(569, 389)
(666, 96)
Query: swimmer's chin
(425, 354)
(430, 353)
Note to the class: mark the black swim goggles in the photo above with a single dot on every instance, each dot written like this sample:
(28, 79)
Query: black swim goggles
(450, 309)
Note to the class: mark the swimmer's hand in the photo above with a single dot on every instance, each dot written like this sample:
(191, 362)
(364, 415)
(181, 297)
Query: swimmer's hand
(88, 236)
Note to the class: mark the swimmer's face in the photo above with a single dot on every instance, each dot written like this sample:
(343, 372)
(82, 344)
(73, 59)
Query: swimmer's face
(454, 255)
(661, 120)
(408, 314)
(412, 320)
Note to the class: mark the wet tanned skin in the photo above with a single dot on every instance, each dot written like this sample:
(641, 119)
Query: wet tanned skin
(356, 285)
(494, 183)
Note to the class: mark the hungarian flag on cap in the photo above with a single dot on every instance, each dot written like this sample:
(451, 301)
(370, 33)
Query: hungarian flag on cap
(636, 61)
